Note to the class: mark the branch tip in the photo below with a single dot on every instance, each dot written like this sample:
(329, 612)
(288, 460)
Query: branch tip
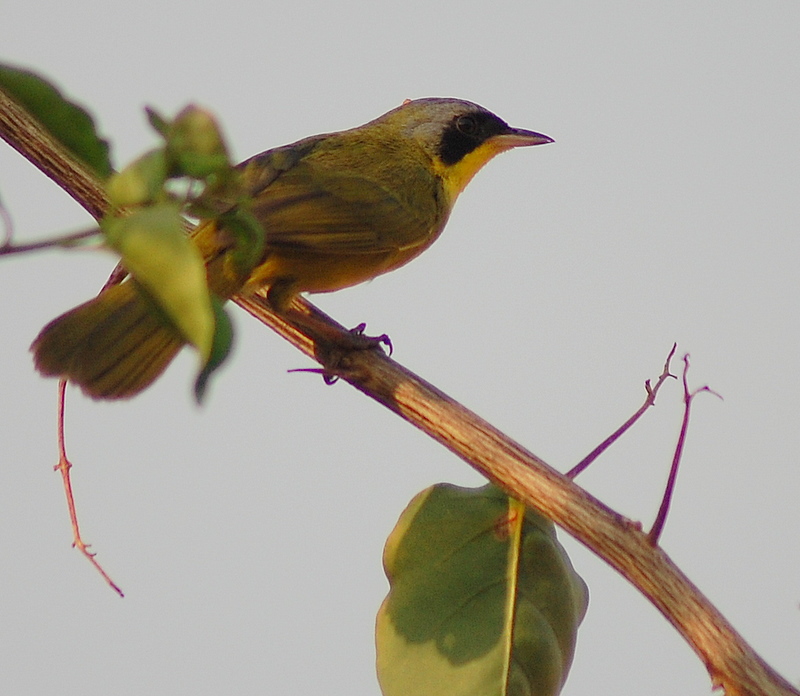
(688, 395)
(649, 401)
(64, 465)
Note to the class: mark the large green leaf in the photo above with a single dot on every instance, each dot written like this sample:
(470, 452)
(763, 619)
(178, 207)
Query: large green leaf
(483, 601)
(69, 123)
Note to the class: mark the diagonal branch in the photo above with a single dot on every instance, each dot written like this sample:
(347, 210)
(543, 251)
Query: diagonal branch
(731, 662)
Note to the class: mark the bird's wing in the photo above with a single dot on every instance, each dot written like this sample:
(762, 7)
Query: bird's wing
(310, 206)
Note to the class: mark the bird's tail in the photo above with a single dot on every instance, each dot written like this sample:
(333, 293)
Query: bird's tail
(112, 346)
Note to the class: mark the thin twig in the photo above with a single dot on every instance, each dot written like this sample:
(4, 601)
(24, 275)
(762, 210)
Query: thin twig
(66, 240)
(64, 466)
(658, 526)
(650, 399)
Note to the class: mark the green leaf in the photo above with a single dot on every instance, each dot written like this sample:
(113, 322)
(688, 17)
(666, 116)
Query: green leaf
(159, 255)
(69, 123)
(248, 234)
(220, 347)
(141, 182)
(483, 601)
(195, 144)
(157, 121)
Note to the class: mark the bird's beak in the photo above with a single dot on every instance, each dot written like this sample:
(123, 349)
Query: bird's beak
(518, 137)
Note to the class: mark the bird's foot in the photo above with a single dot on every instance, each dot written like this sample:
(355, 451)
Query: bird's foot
(333, 352)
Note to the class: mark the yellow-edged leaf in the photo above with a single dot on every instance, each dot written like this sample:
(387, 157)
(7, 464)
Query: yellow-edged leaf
(483, 599)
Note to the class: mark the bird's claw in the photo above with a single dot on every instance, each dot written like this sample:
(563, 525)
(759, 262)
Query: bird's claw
(371, 341)
(327, 376)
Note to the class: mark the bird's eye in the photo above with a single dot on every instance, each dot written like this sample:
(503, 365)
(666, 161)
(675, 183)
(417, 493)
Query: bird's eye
(468, 125)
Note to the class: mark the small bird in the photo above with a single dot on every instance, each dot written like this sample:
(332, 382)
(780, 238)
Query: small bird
(337, 209)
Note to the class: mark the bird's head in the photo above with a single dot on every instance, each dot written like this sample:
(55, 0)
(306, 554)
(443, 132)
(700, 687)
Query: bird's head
(458, 136)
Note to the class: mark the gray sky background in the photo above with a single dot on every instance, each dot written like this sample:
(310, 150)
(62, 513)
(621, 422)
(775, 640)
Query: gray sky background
(248, 534)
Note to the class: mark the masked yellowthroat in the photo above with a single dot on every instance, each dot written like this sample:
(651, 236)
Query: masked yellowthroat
(337, 209)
